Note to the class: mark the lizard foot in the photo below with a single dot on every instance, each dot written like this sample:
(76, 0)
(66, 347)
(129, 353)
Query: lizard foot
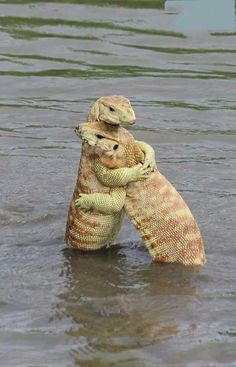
(142, 172)
(83, 202)
(150, 164)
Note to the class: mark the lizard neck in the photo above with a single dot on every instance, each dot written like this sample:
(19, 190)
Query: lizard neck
(109, 127)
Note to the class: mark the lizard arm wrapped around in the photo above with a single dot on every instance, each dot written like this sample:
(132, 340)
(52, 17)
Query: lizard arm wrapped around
(110, 203)
(95, 136)
(149, 155)
(120, 176)
(116, 178)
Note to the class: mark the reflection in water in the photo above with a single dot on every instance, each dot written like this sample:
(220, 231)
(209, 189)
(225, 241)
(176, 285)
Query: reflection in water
(119, 304)
(213, 15)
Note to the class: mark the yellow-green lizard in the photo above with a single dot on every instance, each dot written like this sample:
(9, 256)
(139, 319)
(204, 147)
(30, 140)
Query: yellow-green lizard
(158, 211)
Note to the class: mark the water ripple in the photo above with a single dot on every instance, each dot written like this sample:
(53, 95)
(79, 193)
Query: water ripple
(115, 307)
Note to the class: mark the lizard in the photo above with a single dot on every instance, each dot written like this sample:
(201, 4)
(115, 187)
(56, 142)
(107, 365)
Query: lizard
(162, 217)
(92, 230)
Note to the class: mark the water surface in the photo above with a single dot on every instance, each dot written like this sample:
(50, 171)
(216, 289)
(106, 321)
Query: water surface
(114, 308)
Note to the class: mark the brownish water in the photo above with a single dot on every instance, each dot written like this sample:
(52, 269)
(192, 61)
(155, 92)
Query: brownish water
(115, 308)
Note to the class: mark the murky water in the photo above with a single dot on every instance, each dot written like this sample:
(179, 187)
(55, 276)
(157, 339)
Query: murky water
(114, 308)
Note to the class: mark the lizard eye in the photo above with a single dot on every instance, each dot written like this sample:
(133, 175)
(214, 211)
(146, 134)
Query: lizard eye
(99, 136)
(111, 109)
(115, 147)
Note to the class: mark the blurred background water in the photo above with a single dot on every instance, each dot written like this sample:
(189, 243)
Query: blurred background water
(175, 60)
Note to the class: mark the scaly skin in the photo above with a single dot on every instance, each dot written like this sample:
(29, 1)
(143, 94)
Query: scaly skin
(92, 230)
(112, 202)
(154, 206)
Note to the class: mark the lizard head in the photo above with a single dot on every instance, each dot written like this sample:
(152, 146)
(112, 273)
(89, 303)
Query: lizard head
(86, 134)
(94, 132)
(108, 147)
(110, 152)
(103, 145)
(113, 110)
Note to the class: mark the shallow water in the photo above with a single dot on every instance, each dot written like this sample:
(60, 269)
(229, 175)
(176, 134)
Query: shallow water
(114, 308)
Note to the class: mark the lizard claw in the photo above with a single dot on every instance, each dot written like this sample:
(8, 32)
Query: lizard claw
(149, 166)
(82, 202)
(142, 173)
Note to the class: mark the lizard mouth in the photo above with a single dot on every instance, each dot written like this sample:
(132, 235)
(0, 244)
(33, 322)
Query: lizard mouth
(128, 123)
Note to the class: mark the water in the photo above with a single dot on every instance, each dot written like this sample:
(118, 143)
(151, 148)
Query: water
(114, 308)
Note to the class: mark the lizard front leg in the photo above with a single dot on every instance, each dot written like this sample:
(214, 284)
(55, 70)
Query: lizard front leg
(120, 176)
(149, 155)
(110, 203)
(116, 178)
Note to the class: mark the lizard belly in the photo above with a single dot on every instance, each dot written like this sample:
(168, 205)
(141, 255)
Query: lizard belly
(90, 230)
(164, 221)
